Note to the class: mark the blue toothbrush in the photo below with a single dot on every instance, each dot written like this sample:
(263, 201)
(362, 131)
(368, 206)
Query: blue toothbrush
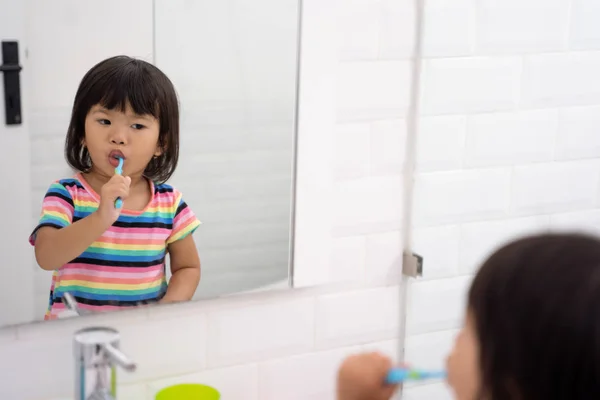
(119, 171)
(399, 375)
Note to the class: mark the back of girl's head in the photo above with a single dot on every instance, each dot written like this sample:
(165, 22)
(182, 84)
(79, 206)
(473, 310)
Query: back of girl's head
(115, 84)
(536, 306)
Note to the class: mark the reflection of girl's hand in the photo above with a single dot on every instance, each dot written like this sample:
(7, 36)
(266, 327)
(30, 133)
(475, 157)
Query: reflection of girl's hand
(362, 377)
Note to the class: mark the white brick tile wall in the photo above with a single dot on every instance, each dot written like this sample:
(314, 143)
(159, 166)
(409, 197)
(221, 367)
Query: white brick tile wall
(449, 28)
(578, 133)
(436, 305)
(467, 85)
(441, 143)
(584, 27)
(547, 188)
(397, 32)
(294, 322)
(561, 79)
(388, 138)
(429, 350)
(308, 376)
(440, 246)
(511, 138)
(357, 317)
(518, 156)
(455, 196)
(535, 25)
(372, 90)
(479, 239)
(383, 259)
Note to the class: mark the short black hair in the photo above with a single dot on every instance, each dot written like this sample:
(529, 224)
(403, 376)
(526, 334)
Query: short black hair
(536, 308)
(115, 83)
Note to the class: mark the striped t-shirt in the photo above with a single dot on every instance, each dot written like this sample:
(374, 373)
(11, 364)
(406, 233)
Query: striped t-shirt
(125, 266)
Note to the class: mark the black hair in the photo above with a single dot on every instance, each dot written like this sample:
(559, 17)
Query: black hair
(114, 84)
(536, 308)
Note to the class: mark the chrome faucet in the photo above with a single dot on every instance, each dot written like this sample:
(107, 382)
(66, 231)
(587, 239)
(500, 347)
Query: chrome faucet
(96, 356)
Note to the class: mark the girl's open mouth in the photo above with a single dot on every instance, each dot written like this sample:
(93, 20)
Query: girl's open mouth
(114, 156)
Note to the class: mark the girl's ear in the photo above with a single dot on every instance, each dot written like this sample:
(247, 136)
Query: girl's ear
(159, 150)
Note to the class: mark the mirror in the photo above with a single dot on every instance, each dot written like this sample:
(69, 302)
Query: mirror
(233, 64)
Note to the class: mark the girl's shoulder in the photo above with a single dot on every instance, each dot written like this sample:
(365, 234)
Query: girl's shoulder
(166, 192)
(71, 185)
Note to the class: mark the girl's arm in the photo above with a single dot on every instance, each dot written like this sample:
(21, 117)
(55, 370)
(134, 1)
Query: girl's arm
(56, 247)
(185, 270)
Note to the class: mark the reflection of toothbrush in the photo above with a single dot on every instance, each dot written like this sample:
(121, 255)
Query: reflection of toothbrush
(119, 171)
(399, 375)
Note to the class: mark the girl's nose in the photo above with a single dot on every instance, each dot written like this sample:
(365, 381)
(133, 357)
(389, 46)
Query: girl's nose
(118, 141)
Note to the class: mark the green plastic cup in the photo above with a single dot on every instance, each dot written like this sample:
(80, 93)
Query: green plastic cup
(189, 391)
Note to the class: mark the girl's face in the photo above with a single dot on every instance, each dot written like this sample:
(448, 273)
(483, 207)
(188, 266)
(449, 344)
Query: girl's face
(133, 137)
(463, 363)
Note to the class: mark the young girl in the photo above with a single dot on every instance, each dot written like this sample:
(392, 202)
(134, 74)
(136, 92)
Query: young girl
(531, 332)
(108, 257)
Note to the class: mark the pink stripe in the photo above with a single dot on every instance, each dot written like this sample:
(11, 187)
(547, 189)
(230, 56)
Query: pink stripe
(158, 273)
(107, 269)
(56, 202)
(183, 220)
(138, 233)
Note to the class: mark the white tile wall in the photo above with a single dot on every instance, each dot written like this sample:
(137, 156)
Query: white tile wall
(280, 345)
(518, 155)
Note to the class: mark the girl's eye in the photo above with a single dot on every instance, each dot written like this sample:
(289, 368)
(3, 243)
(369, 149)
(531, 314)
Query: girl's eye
(138, 126)
(104, 122)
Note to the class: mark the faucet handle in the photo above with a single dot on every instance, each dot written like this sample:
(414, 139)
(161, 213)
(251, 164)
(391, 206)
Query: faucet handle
(116, 356)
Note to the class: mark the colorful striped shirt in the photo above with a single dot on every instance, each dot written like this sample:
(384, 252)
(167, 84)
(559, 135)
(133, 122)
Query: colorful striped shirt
(125, 266)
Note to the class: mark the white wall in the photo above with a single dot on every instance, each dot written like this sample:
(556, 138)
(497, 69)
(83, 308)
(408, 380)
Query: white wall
(282, 345)
(508, 144)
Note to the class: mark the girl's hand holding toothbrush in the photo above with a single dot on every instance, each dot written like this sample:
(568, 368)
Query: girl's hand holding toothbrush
(362, 377)
(117, 187)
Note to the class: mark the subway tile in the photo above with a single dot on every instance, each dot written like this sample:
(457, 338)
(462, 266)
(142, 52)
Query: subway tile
(388, 147)
(441, 143)
(585, 34)
(511, 138)
(469, 85)
(587, 221)
(373, 90)
(348, 259)
(449, 28)
(514, 26)
(555, 187)
(352, 142)
(269, 330)
(429, 350)
(384, 255)
(439, 247)
(308, 376)
(436, 305)
(449, 197)
(578, 133)
(479, 239)
(358, 29)
(561, 79)
(358, 317)
(397, 29)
